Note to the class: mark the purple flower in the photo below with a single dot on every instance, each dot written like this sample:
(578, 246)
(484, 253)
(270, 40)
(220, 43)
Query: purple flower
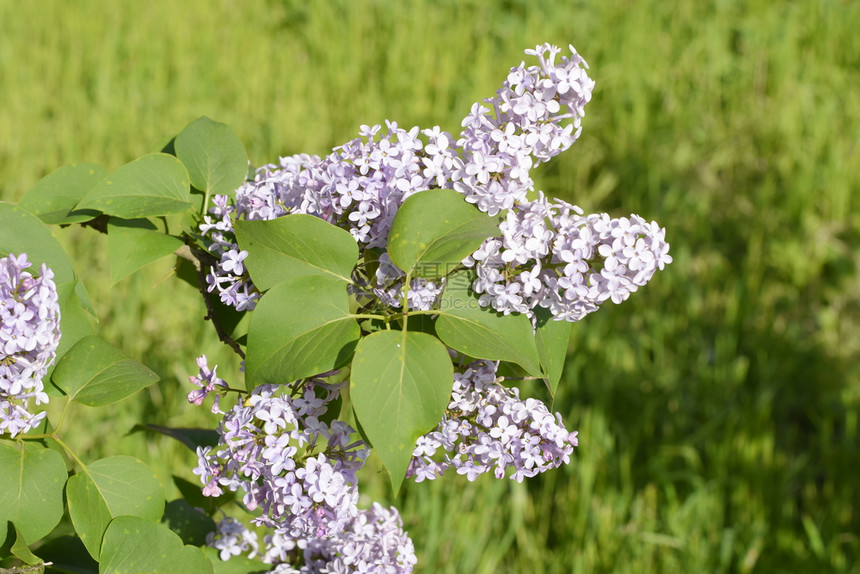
(29, 336)
(488, 428)
(208, 382)
(531, 119)
(277, 452)
(372, 541)
(231, 261)
(551, 255)
(232, 538)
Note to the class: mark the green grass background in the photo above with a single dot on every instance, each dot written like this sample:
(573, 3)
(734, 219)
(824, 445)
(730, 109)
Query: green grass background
(717, 408)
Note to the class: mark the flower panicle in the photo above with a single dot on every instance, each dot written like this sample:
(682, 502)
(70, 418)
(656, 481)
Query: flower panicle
(29, 337)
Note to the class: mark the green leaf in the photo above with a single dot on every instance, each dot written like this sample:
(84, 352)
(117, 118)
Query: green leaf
(422, 324)
(31, 496)
(190, 437)
(75, 324)
(236, 564)
(9, 532)
(55, 196)
(482, 333)
(133, 545)
(111, 487)
(96, 374)
(46, 429)
(551, 338)
(155, 184)
(215, 158)
(23, 232)
(22, 550)
(295, 246)
(133, 243)
(84, 298)
(400, 386)
(434, 230)
(189, 523)
(301, 327)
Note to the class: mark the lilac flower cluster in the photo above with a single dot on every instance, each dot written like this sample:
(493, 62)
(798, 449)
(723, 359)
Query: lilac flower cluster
(488, 428)
(550, 254)
(229, 278)
(372, 541)
(301, 473)
(534, 117)
(29, 336)
(361, 184)
(298, 470)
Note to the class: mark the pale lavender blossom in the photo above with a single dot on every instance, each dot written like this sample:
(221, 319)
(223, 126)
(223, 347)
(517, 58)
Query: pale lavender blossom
(551, 255)
(29, 336)
(298, 471)
(372, 541)
(361, 184)
(535, 115)
(301, 474)
(209, 382)
(488, 428)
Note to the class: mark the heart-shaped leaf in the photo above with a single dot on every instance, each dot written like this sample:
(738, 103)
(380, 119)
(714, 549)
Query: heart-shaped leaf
(551, 338)
(111, 487)
(96, 374)
(188, 522)
(32, 493)
(215, 158)
(23, 232)
(55, 196)
(133, 243)
(434, 230)
(400, 385)
(295, 246)
(133, 545)
(155, 184)
(301, 327)
(480, 332)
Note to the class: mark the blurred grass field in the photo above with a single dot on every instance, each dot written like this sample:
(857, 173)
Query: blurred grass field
(717, 408)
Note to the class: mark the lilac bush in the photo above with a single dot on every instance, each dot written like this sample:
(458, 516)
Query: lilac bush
(546, 254)
(394, 286)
